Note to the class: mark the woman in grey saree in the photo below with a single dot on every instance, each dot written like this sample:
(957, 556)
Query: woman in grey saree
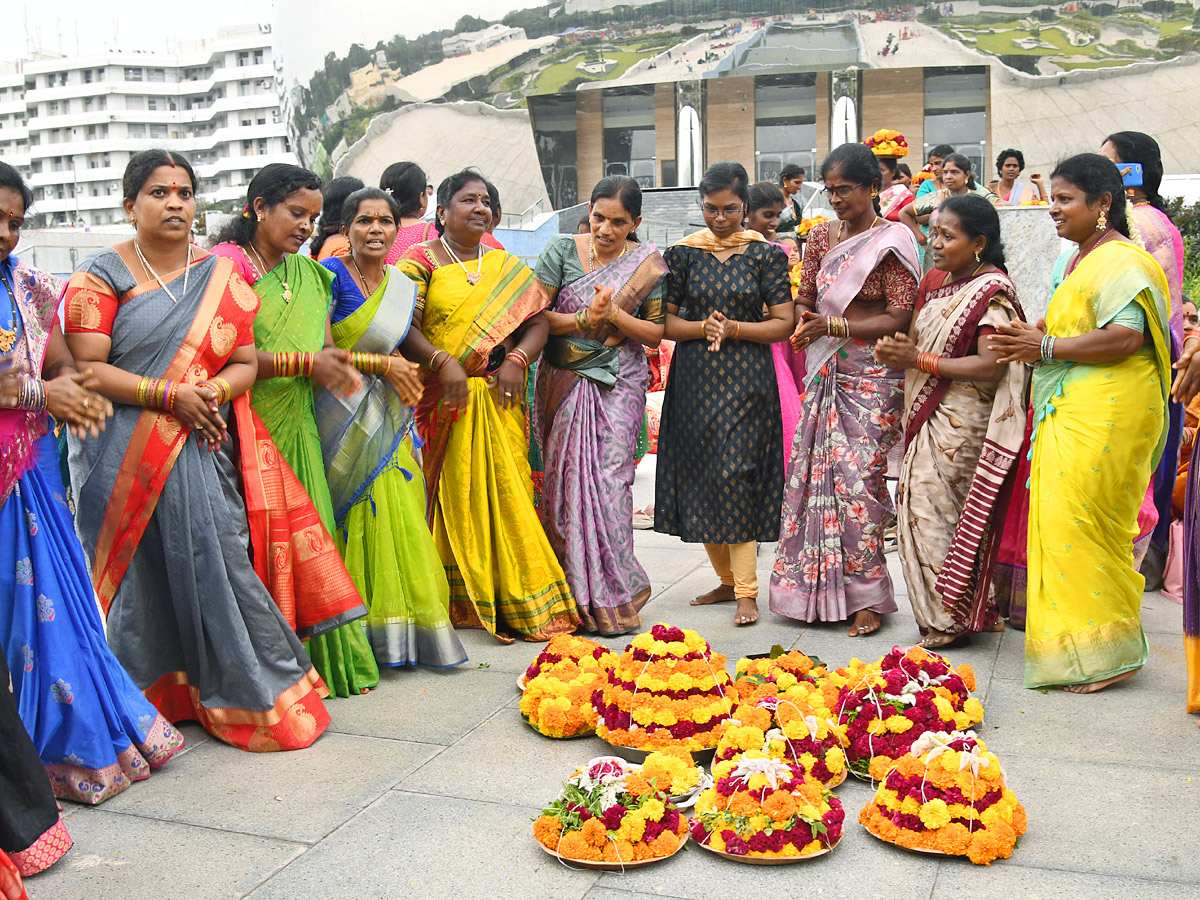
(590, 399)
(206, 553)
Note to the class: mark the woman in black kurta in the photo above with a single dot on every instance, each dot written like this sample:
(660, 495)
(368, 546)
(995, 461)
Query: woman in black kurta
(720, 464)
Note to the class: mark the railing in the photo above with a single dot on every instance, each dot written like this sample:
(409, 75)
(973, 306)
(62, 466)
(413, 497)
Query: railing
(524, 218)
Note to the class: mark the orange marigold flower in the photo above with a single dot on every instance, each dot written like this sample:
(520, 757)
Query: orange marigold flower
(618, 851)
(594, 833)
(637, 785)
(547, 830)
(780, 806)
(967, 674)
(1020, 822)
(665, 844)
(574, 846)
(953, 839)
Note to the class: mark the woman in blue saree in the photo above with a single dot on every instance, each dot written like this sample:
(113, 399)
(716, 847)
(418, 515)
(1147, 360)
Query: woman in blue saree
(367, 441)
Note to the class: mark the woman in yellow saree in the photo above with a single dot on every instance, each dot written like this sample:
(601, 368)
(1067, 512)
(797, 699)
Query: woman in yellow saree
(1100, 411)
(477, 326)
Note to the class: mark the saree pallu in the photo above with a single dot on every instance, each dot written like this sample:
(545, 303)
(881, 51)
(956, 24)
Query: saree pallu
(379, 494)
(502, 570)
(182, 540)
(342, 656)
(830, 563)
(962, 440)
(91, 726)
(32, 832)
(587, 415)
(1099, 430)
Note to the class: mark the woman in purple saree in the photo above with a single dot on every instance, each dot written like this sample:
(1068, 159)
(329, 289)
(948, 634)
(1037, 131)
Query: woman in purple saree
(860, 275)
(590, 398)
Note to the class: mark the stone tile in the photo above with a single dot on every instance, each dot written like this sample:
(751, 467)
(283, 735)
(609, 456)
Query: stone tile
(669, 564)
(410, 704)
(194, 736)
(411, 845)
(1161, 614)
(504, 761)
(1107, 818)
(124, 856)
(1003, 880)
(301, 795)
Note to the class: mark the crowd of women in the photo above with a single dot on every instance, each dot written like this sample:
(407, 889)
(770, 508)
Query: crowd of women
(280, 473)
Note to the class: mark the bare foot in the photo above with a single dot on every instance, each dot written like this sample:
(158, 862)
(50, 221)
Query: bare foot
(722, 593)
(747, 611)
(865, 622)
(1092, 686)
(939, 639)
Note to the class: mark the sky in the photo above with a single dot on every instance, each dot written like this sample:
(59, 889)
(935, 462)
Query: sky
(68, 27)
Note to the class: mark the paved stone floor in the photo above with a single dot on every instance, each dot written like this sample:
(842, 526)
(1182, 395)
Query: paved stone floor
(426, 788)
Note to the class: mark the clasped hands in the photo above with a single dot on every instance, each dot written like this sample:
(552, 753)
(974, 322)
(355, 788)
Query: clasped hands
(71, 397)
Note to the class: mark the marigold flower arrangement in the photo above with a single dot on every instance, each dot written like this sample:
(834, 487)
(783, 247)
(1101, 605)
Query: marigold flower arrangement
(947, 795)
(905, 694)
(767, 808)
(673, 771)
(668, 689)
(783, 670)
(558, 702)
(564, 648)
(609, 812)
(888, 142)
(804, 226)
(796, 728)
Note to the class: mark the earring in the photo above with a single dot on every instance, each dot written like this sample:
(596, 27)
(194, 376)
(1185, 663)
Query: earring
(133, 222)
(1102, 222)
(977, 256)
(874, 193)
(260, 217)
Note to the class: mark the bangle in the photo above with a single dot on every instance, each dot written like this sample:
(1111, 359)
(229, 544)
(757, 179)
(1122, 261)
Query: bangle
(433, 363)
(517, 355)
(220, 387)
(32, 395)
(371, 363)
(169, 406)
(582, 322)
(835, 326)
(1048, 347)
(1189, 437)
(929, 363)
(292, 365)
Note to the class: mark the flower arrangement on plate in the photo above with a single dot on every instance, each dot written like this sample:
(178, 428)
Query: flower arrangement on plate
(766, 810)
(947, 795)
(558, 703)
(888, 142)
(886, 709)
(804, 226)
(672, 771)
(792, 729)
(609, 815)
(779, 672)
(568, 648)
(668, 689)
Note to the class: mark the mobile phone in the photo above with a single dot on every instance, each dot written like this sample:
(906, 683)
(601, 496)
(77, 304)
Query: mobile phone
(1131, 174)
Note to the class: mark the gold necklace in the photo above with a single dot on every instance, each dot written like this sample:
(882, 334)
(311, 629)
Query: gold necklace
(472, 277)
(367, 290)
(842, 226)
(8, 336)
(592, 253)
(260, 267)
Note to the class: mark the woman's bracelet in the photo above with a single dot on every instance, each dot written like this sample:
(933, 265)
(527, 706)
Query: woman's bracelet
(518, 356)
(157, 393)
(32, 395)
(737, 330)
(1188, 438)
(582, 323)
(371, 363)
(293, 365)
(837, 327)
(929, 363)
(220, 387)
(1048, 347)
(433, 365)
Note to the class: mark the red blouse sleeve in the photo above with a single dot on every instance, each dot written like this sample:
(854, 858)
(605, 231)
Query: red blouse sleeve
(89, 305)
(814, 251)
(899, 285)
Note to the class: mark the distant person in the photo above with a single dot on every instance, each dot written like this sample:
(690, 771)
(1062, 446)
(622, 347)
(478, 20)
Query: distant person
(1009, 166)
(585, 224)
(791, 180)
(408, 185)
(495, 211)
(957, 180)
(904, 175)
(329, 240)
(894, 195)
(933, 167)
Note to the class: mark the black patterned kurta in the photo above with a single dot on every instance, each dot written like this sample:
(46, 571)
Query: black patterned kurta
(720, 458)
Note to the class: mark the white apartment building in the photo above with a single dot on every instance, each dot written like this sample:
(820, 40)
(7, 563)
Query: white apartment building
(71, 124)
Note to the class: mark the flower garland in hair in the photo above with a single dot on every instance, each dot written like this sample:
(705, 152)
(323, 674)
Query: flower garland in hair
(947, 795)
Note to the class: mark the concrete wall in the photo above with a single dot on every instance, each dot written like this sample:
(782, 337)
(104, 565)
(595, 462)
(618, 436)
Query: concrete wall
(589, 117)
(664, 128)
(824, 112)
(729, 120)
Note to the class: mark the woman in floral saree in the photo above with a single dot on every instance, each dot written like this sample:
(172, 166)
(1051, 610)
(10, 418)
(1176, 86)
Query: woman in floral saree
(206, 552)
(591, 399)
(964, 423)
(859, 282)
(367, 439)
(1100, 396)
(478, 325)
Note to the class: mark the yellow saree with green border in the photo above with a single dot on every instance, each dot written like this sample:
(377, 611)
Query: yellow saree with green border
(503, 574)
(1099, 430)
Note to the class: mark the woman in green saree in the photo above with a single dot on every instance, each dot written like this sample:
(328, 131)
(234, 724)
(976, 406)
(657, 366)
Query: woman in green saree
(295, 349)
(368, 440)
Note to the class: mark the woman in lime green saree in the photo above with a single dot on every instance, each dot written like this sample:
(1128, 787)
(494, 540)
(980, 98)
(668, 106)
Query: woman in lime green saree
(295, 349)
(368, 440)
(1100, 413)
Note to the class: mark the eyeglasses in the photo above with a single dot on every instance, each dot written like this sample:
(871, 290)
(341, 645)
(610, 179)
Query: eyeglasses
(840, 190)
(729, 211)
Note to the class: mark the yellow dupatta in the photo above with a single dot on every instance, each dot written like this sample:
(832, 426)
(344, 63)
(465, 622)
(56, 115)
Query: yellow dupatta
(1099, 433)
(501, 568)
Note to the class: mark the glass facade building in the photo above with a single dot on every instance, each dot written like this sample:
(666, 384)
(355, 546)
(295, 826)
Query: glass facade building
(785, 124)
(956, 114)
